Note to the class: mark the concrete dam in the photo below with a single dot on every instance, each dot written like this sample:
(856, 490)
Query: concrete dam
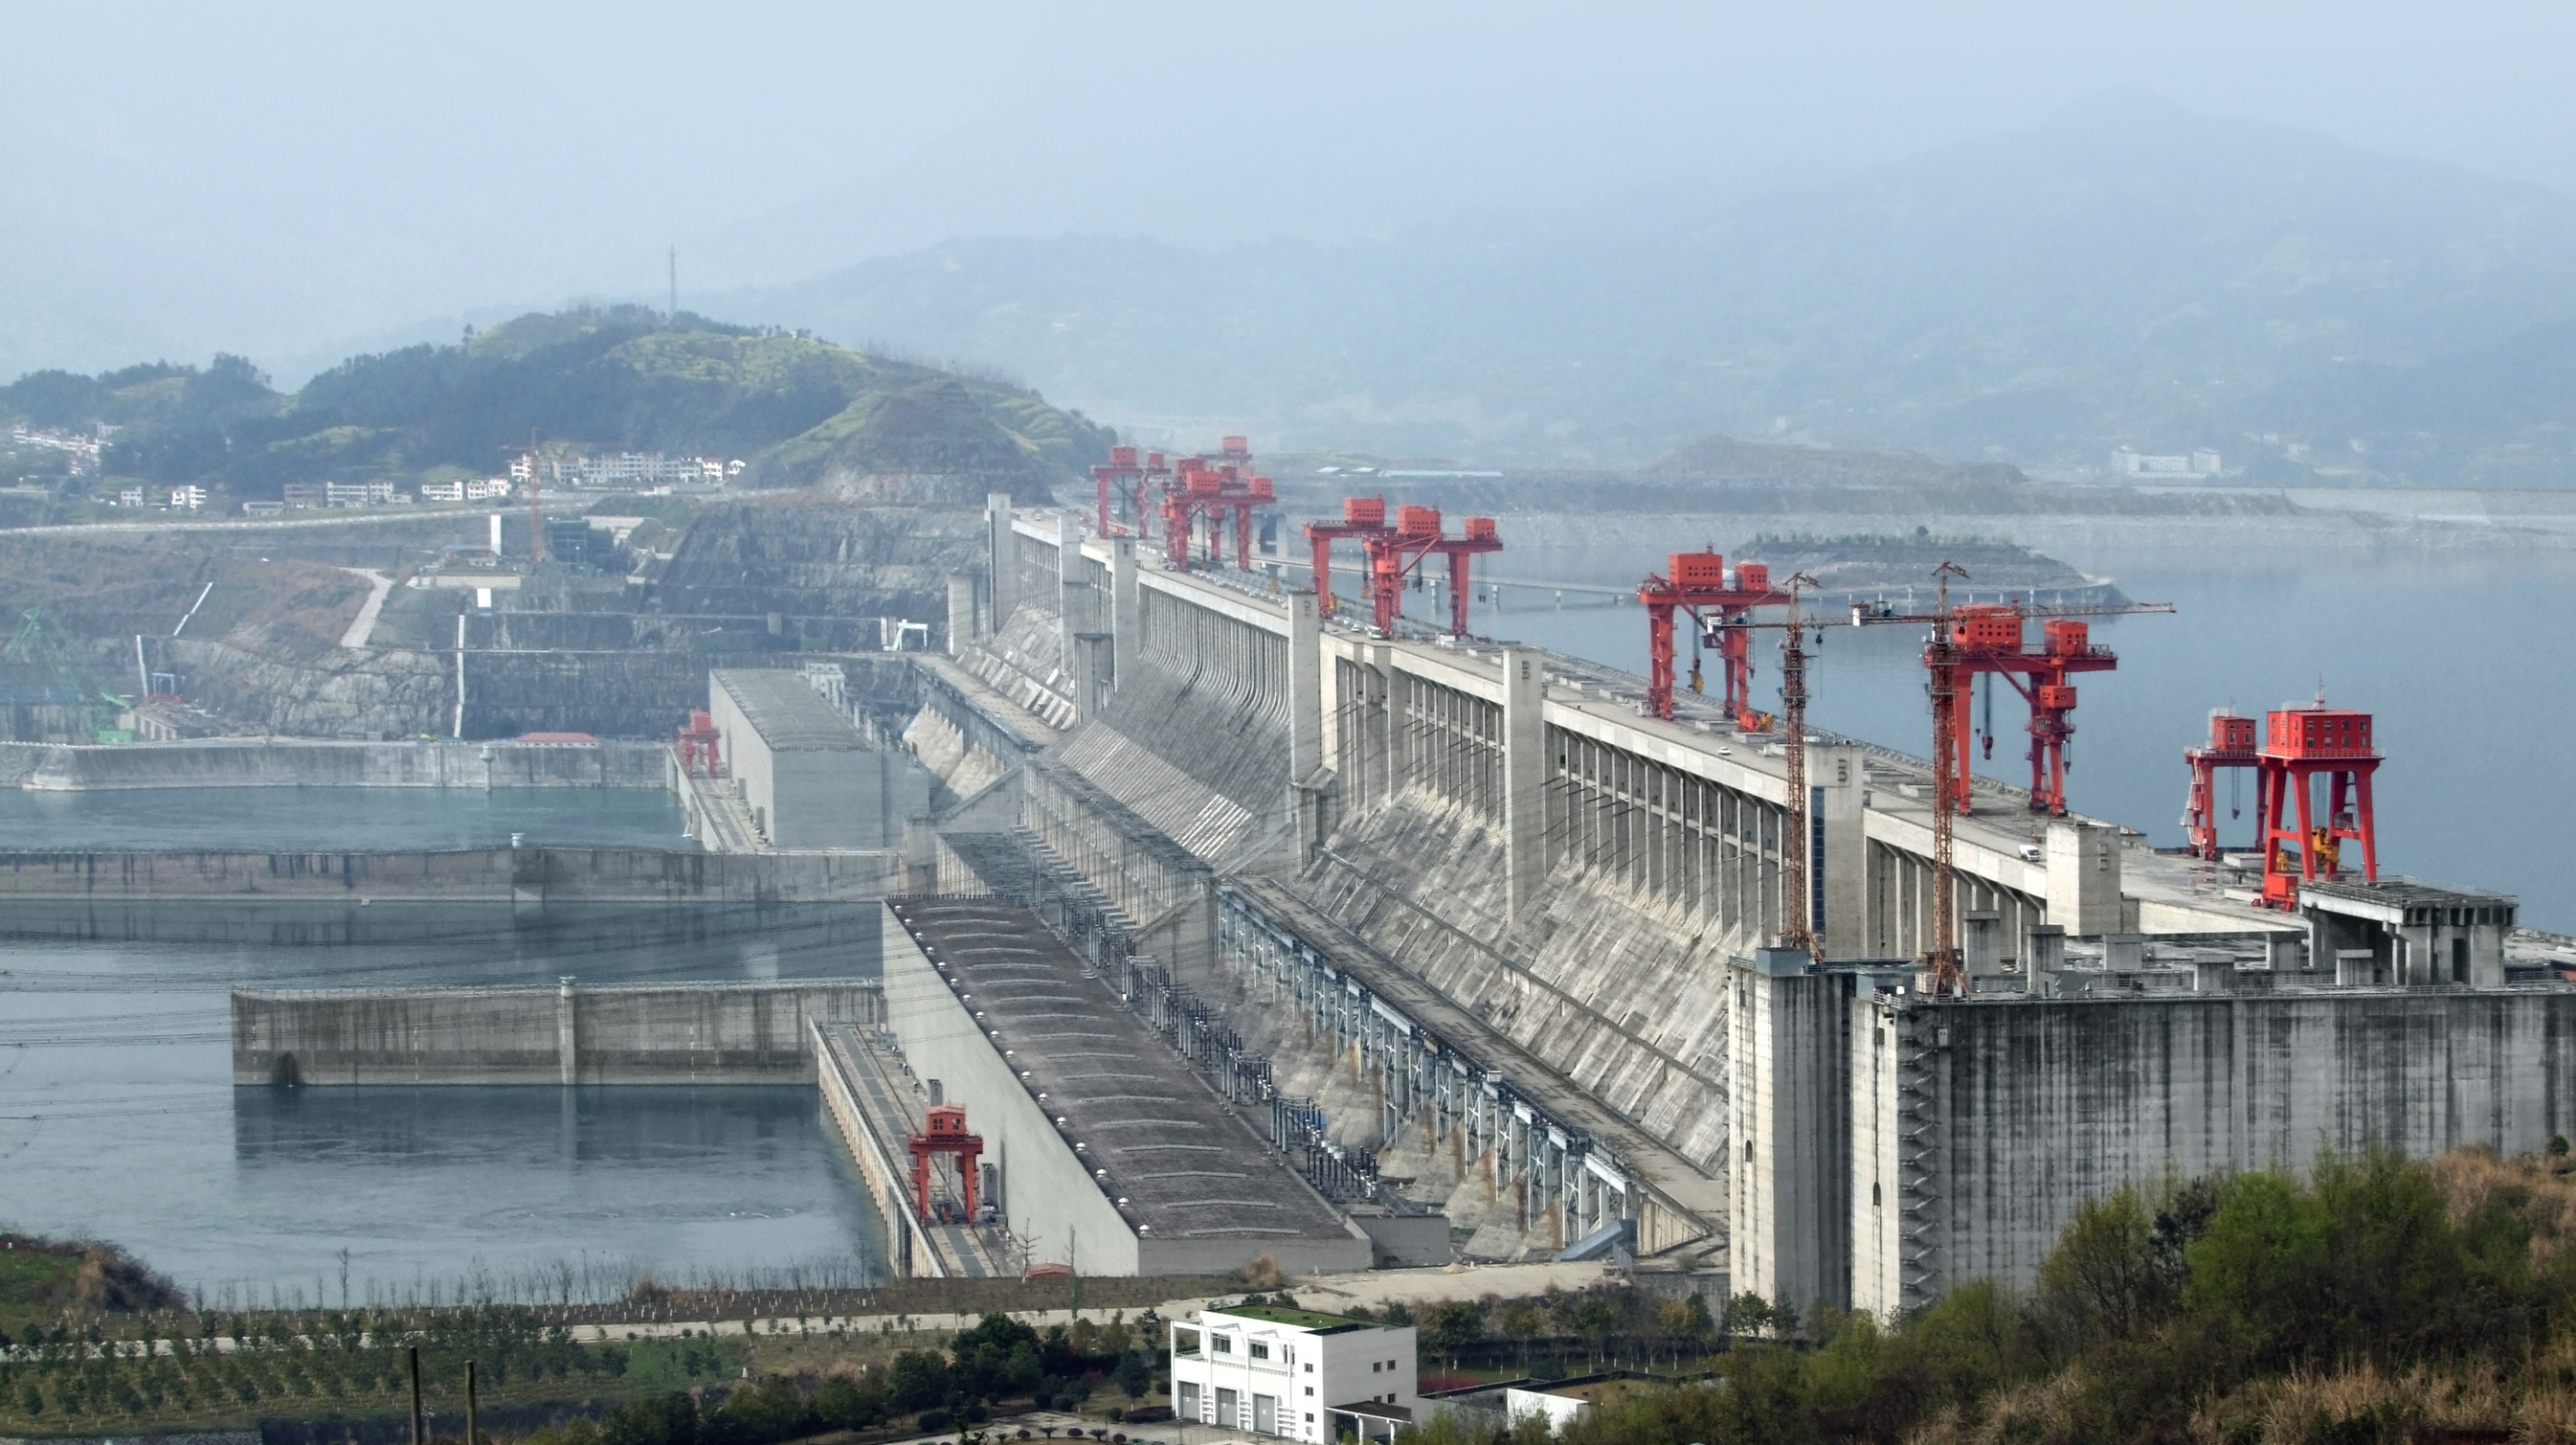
(1505, 935)
(1459, 950)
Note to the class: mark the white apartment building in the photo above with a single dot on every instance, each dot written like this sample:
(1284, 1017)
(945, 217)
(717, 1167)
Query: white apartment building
(625, 469)
(358, 494)
(1294, 1374)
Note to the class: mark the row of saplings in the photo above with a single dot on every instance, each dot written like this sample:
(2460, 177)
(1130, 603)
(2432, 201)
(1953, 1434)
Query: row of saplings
(55, 1379)
(999, 1359)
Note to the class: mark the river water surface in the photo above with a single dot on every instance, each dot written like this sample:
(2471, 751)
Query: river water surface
(2464, 661)
(118, 1118)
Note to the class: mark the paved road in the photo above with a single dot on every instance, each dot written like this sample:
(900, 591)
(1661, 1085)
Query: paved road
(364, 624)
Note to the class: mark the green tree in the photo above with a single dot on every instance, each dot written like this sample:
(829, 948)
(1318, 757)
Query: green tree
(1451, 1326)
(2259, 1272)
(2105, 1278)
(1522, 1323)
(918, 1380)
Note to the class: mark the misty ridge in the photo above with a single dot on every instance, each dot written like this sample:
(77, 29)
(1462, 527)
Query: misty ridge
(2126, 274)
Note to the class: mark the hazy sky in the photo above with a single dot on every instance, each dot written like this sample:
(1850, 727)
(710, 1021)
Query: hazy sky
(293, 180)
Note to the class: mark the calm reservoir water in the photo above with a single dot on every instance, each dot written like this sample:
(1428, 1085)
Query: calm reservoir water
(2464, 661)
(118, 1118)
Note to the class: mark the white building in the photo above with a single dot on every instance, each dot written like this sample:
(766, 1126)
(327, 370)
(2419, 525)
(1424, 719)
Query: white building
(1294, 1374)
(2139, 467)
(358, 494)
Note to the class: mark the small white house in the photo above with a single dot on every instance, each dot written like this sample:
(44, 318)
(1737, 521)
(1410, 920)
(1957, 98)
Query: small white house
(1295, 1374)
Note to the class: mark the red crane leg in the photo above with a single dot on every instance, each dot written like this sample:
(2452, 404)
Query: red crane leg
(1386, 584)
(1659, 659)
(1735, 659)
(2200, 809)
(2307, 827)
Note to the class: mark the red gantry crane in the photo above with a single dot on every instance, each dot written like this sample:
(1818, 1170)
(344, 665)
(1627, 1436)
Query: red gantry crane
(1396, 553)
(1126, 484)
(2300, 743)
(2231, 745)
(1361, 517)
(1217, 489)
(944, 1135)
(1697, 584)
(699, 737)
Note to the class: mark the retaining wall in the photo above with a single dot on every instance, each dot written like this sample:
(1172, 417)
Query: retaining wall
(1998, 1119)
(307, 763)
(519, 876)
(696, 1033)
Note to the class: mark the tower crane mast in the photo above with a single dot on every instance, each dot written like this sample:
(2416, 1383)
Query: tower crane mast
(1986, 637)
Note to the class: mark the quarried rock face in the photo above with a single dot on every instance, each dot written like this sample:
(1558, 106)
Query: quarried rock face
(804, 557)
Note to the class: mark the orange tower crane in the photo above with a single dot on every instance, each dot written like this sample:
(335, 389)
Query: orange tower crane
(1361, 517)
(1697, 584)
(1802, 928)
(2231, 745)
(2299, 743)
(1949, 778)
(1395, 554)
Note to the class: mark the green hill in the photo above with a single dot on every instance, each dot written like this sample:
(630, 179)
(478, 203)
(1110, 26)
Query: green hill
(797, 409)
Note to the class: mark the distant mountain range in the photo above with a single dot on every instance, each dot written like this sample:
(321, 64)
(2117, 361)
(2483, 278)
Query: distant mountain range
(2128, 275)
(797, 410)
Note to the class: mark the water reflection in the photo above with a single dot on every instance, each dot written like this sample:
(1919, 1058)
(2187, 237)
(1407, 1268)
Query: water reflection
(115, 1083)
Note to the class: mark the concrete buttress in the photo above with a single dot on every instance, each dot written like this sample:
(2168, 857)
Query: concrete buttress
(2084, 878)
(1305, 719)
(1789, 1232)
(1524, 777)
(961, 613)
(998, 550)
(567, 1039)
(1842, 865)
(1126, 613)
